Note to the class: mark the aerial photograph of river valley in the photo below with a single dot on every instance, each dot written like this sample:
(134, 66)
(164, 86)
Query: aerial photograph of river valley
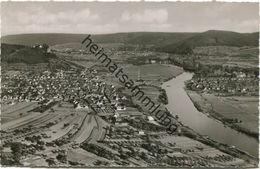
(129, 84)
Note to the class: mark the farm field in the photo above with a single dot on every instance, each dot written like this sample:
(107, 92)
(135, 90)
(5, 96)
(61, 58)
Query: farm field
(64, 127)
(64, 121)
(84, 132)
(241, 108)
(150, 72)
(197, 149)
(81, 156)
(19, 110)
(150, 91)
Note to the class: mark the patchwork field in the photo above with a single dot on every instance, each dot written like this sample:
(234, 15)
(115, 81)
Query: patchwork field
(63, 123)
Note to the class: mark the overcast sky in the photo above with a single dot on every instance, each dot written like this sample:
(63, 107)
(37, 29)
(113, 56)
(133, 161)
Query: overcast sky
(111, 17)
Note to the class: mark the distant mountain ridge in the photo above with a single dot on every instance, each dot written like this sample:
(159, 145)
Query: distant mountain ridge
(213, 38)
(167, 42)
(155, 38)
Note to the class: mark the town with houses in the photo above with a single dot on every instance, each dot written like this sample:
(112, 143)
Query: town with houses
(74, 117)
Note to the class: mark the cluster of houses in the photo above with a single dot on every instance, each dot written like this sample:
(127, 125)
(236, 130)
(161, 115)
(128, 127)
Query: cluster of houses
(70, 86)
(236, 84)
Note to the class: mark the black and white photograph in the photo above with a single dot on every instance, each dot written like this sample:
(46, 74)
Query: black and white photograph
(129, 84)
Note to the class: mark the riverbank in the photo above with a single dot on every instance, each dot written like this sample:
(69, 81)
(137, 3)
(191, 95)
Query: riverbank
(205, 104)
(188, 132)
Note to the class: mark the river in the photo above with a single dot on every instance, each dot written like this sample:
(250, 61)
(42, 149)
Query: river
(179, 103)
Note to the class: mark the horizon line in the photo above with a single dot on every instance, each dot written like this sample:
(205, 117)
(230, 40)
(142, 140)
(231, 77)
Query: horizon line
(128, 32)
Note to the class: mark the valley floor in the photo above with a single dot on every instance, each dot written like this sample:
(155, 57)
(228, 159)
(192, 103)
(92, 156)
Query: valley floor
(237, 112)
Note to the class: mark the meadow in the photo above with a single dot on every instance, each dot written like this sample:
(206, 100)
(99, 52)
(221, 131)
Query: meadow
(244, 109)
